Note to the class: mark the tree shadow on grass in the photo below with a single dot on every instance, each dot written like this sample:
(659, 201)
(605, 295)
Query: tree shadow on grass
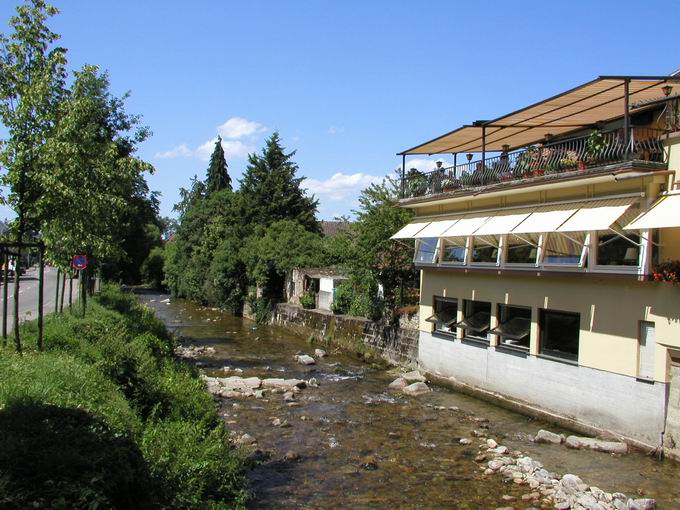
(54, 457)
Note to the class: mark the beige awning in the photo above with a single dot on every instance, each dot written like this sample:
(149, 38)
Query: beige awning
(465, 226)
(436, 228)
(410, 230)
(665, 213)
(597, 101)
(546, 219)
(599, 215)
(503, 223)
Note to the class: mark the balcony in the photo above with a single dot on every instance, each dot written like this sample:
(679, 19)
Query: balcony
(566, 158)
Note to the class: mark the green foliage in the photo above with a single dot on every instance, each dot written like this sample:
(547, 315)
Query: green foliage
(343, 299)
(152, 268)
(218, 176)
(595, 145)
(260, 308)
(308, 300)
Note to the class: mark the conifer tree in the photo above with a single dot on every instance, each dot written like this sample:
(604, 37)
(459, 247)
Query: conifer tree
(218, 176)
(271, 192)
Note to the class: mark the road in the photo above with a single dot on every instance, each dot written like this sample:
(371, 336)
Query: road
(28, 295)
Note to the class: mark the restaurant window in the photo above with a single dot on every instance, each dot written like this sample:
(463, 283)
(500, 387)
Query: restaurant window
(454, 251)
(559, 334)
(426, 250)
(445, 315)
(485, 249)
(514, 325)
(564, 249)
(521, 249)
(476, 321)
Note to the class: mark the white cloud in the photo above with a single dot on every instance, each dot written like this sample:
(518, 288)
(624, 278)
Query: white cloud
(233, 149)
(335, 130)
(238, 127)
(341, 186)
(179, 151)
(425, 165)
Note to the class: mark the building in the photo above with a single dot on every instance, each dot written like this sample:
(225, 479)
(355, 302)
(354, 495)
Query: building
(319, 282)
(538, 252)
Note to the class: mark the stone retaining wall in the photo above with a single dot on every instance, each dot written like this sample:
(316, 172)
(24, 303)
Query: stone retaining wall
(397, 345)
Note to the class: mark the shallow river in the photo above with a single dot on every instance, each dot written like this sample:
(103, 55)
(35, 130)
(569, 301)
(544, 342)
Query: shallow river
(361, 446)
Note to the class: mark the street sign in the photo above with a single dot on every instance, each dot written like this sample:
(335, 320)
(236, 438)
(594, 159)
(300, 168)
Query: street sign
(79, 262)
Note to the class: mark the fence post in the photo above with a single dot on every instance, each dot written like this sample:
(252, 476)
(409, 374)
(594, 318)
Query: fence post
(63, 291)
(41, 288)
(5, 294)
(70, 292)
(56, 293)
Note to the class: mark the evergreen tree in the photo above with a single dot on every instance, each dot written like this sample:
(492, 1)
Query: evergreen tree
(271, 192)
(218, 176)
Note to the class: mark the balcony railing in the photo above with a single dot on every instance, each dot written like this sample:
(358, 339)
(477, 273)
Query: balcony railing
(540, 162)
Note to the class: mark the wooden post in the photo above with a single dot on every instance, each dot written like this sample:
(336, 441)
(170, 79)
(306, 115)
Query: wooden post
(41, 288)
(56, 293)
(5, 283)
(70, 292)
(63, 291)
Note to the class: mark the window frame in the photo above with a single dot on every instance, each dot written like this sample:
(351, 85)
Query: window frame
(435, 255)
(473, 338)
(453, 333)
(499, 252)
(584, 258)
(616, 268)
(500, 337)
(543, 331)
(466, 251)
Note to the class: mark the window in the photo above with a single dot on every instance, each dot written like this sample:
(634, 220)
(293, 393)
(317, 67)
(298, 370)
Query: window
(477, 320)
(454, 250)
(615, 250)
(485, 249)
(445, 315)
(514, 326)
(559, 334)
(426, 250)
(522, 249)
(564, 249)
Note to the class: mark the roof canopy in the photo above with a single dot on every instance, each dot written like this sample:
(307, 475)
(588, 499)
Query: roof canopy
(600, 100)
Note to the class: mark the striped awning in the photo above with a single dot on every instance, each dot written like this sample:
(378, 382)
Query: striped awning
(664, 213)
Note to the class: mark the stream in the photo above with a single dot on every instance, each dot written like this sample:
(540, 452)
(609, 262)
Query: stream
(351, 443)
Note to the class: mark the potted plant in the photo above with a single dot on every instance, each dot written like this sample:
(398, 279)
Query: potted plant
(308, 300)
(668, 271)
(567, 164)
(449, 184)
(595, 146)
(417, 182)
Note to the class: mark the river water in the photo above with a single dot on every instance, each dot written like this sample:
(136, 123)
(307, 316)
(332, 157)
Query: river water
(361, 446)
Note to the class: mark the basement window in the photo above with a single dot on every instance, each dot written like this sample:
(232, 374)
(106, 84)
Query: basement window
(477, 320)
(559, 336)
(514, 326)
(426, 251)
(445, 315)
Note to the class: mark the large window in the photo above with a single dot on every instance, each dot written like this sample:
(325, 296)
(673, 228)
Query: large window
(485, 249)
(564, 249)
(616, 250)
(514, 326)
(454, 250)
(445, 315)
(559, 334)
(426, 250)
(477, 318)
(521, 249)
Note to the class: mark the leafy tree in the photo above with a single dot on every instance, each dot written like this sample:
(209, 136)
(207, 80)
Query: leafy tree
(271, 192)
(218, 176)
(32, 83)
(152, 268)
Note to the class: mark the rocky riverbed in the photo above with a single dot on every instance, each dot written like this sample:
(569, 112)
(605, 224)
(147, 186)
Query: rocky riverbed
(337, 433)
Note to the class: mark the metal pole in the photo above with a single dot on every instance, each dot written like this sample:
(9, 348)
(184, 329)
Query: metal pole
(483, 148)
(455, 164)
(5, 283)
(56, 293)
(41, 288)
(626, 116)
(403, 174)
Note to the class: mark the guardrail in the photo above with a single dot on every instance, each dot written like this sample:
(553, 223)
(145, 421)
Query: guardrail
(570, 155)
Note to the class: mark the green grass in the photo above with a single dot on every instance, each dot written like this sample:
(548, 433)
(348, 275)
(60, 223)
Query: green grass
(107, 418)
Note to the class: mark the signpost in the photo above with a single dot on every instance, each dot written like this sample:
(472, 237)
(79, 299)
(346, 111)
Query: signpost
(79, 262)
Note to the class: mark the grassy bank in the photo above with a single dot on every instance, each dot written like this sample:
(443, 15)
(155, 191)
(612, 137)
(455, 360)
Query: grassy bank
(107, 418)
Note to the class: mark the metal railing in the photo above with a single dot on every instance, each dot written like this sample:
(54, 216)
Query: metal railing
(540, 161)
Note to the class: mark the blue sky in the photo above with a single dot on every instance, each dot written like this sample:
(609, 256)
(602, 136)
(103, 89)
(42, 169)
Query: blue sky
(346, 83)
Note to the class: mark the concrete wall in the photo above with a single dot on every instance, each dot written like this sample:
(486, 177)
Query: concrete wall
(594, 397)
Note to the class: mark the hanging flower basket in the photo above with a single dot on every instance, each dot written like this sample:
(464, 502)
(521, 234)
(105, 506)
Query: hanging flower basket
(667, 272)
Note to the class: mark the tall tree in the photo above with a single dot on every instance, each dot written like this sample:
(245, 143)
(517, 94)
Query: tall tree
(271, 192)
(32, 83)
(218, 176)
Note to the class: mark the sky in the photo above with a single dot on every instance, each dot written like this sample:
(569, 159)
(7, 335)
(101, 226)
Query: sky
(347, 84)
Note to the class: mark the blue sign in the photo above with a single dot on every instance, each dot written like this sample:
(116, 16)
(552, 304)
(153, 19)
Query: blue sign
(79, 262)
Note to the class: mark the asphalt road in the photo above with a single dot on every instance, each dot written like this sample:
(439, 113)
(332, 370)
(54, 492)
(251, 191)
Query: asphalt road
(28, 295)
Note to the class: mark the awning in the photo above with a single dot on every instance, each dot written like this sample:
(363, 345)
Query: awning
(436, 228)
(410, 230)
(598, 215)
(547, 219)
(465, 226)
(665, 213)
(600, 100)
(502, 223)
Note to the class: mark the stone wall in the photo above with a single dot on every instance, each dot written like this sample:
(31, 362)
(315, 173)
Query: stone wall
(395, 344)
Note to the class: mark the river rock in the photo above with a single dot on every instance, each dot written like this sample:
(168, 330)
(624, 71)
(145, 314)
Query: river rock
(398, 384)
(641, 504)
(465, 440)
(491, 443)
(414, 376)
(240, 383)
(291, 456)
(246, 440)
(288, 396)
(598, 445)
(283, 384)
(304, 359)
(319, 353)
(545, 436)
(415, 389)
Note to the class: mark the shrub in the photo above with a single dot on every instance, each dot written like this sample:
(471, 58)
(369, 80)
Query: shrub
(194, 468)
(260, 307)
(152, 268)
(343, 298)
(308, 300)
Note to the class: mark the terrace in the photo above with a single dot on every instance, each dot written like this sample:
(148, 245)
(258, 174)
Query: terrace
(605, 125)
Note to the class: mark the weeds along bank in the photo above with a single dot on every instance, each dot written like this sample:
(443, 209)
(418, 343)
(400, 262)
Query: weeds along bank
(106, 417)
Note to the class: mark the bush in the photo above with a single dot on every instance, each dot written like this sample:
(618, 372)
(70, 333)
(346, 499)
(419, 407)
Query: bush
(343, 298)
(152, 268)
(308, 300)
(194, 468)
(260, 307)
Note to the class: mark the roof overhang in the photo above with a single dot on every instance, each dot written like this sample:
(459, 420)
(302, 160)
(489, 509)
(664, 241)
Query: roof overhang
(601, 100)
